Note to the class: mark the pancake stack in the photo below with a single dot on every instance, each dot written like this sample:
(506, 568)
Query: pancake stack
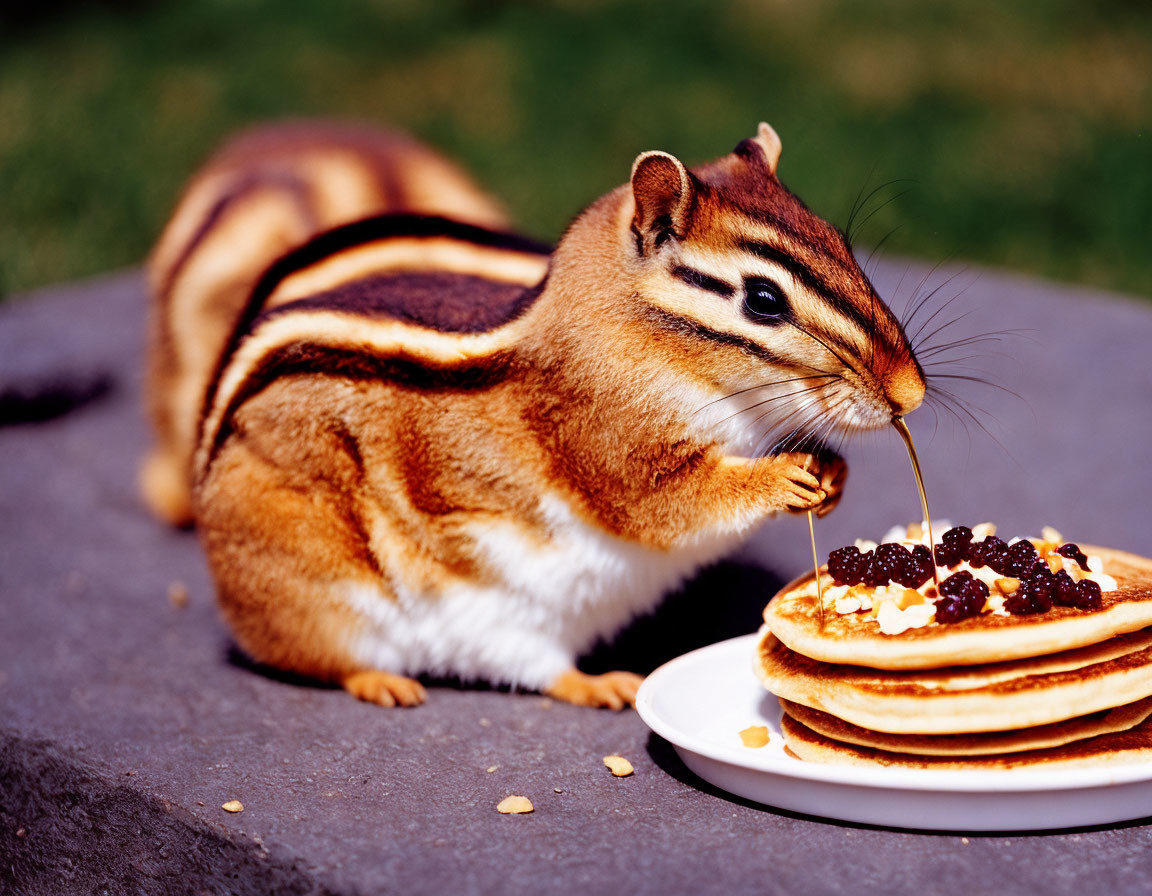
(1059, 688)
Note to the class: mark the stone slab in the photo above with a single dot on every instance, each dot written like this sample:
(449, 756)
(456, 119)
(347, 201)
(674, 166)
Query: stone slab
(125, 722)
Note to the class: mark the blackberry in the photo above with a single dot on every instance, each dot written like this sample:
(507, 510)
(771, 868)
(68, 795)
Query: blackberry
(962, 596)
(846, 566)
(1033, 596)
(877, 571)
(1088, 595)
(1073, 552)
(1021, 560)
(987, 552)
(917, 569)
(1064, 592)
(895, 558)
(960, 584)
(953, 547)
(996, 554)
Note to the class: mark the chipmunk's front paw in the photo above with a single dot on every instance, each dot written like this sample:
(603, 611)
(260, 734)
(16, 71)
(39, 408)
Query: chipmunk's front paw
(832, 472)
(384, 688)
(613, 690)
(812, 481)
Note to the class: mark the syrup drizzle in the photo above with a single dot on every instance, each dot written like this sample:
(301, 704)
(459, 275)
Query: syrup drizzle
(902, 428)
(816, 567)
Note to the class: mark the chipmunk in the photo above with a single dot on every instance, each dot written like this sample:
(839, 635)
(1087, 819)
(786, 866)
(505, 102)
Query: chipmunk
(480, 469)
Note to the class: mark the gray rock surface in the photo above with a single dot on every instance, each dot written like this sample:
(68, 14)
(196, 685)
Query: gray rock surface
(125, 721)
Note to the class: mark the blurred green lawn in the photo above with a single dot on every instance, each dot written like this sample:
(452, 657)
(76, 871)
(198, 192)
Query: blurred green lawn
(1020, 132)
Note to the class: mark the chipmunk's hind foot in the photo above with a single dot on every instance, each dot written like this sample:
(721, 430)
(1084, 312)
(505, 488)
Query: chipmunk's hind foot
(384, 689)
(612, 690)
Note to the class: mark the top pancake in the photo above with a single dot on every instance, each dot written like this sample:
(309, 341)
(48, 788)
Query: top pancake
(793, 617)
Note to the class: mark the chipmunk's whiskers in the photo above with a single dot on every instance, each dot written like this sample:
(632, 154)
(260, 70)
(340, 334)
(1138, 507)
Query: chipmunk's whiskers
(947, 358)
(815, 422)
(789, 395)
(792, 379)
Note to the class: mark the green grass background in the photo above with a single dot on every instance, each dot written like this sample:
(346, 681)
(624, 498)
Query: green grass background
(1019, 131)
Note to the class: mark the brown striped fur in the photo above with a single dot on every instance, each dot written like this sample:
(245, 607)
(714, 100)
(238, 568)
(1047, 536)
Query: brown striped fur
(265, 193)
(368, 434)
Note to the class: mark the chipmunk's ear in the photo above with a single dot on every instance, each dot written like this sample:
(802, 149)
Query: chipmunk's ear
(766, 143)
(664, 194)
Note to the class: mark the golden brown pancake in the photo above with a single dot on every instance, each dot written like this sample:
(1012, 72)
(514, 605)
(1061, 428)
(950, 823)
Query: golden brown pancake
(1040, 737)
(793, 617)
(1001, 697)
(1133, 745)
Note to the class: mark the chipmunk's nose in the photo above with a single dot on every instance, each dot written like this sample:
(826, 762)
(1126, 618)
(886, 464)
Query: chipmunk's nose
(904, 390)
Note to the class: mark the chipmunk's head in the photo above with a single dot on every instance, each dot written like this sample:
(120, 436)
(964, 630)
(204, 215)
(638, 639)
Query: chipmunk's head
(762, 301)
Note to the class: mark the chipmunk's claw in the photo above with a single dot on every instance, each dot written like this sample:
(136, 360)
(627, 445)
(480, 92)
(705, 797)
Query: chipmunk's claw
(812, 482)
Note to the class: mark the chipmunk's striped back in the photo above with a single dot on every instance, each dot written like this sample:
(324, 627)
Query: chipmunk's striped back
(375, 298)
(266, 193)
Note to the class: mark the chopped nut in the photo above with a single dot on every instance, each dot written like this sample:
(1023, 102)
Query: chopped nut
(233, 806)
(1007, 585)
(909, 598)
(178, 595)
(514, 805)
(754, 736)
(618, 765)
(985, 574)
(1055, 562)
(1050, 534)
(491, 768)
(982, 530)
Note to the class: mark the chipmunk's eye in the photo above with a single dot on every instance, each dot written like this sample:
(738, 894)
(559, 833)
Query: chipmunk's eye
(763, 300)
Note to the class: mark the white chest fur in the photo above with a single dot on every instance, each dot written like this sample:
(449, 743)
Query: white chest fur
(553, 602)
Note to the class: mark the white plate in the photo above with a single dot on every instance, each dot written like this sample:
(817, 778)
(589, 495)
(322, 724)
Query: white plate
(701, 701)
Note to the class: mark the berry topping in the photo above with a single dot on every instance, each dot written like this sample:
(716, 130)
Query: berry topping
(1088, 595)
(1073, 552)
(875, 571)
(917, 568)
(1019, 561)
(1036, 588)
(1064, 592)
(895, 558)
(962, 596)
(989, 552)
(954, 545)
(846, 566)
(1034, 594)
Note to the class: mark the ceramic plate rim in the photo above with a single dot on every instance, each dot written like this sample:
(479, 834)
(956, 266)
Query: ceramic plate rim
(888, 778)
